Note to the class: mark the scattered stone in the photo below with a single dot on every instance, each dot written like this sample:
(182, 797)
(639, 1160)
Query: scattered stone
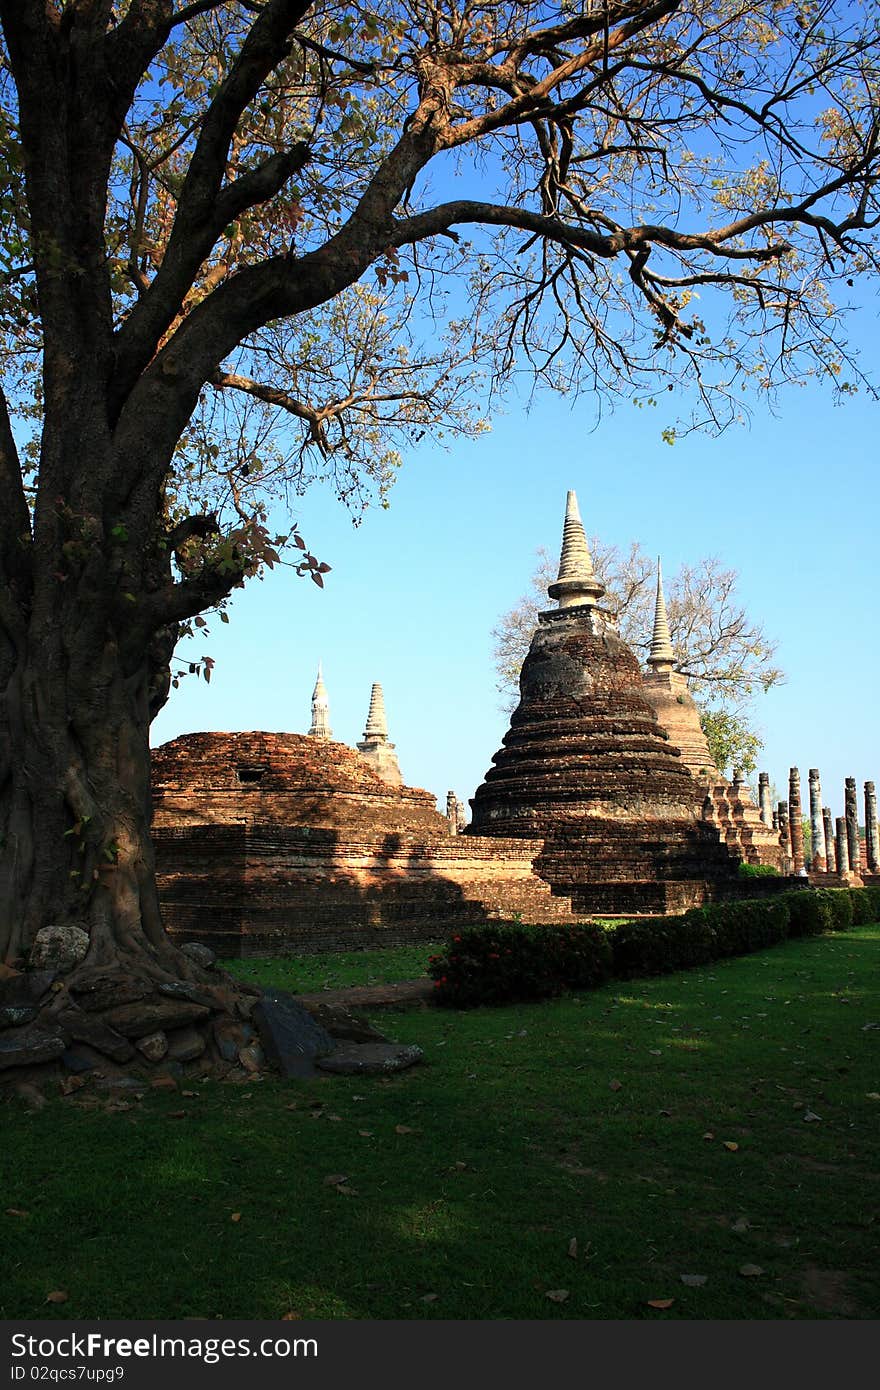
(27, 1046)
(245, 1006)
(31, 1095)
(153, 1046)
(366, 1059)
(84, 1028)
(108, 989)
(16, 1015)
(154, 1015)
(22, 989)
(202, 955)
(59, 948)
(163, 1082)
(340, 1022)
(128, 1085)
(185, 1044)
(291, 1037)
(252, 1057)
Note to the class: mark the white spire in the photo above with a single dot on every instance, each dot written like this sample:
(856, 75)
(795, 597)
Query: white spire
(377, 723)
(320, 710)
(576, 583)
(661, 656)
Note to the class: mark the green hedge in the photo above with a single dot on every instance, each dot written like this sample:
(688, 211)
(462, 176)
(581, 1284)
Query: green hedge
(504, 962)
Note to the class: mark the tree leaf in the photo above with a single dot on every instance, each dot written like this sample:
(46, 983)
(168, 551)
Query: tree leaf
(557, 1295)
(573, 1248)
(57, 1296)
(694, 1281)
(236, 1216)
(750, 1271)
(660, 1303)
(614, 1085)
(731, 1146)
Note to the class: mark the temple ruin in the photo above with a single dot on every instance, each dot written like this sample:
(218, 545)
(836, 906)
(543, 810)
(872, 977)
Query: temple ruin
(603, 799)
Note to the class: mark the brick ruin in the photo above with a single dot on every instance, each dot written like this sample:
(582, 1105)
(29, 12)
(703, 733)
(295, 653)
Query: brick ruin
(603, 799)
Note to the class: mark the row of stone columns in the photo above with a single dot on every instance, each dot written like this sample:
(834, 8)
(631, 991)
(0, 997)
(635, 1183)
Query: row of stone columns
(835, 844)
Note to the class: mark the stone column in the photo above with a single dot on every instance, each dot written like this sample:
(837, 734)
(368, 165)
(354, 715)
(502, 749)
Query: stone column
(452, 812)
(872, 842)
(851, 813)
(842, 846)
(830, 853)
(819, 857)
(764, 798)
(795, 820)
(784, 837)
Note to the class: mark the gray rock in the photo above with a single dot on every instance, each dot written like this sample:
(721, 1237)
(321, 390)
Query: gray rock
(79, 1059)
(290, 1036)
(153, 1046)
(229, 1037)
(369, 1059)
(252, 1057)
(202, 955)
(185, 1044)
(59, 948)
(108, 989)
(340, 1022)
(26, 988)
(15, 1015)
(85, 1028)
(182, 989)
(153, 1016)
(27, 1046)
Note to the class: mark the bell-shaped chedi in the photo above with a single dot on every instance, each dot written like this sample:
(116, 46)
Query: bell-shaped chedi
(586, 765)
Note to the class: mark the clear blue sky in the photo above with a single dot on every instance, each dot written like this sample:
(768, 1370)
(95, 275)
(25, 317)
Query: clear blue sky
(791, 502)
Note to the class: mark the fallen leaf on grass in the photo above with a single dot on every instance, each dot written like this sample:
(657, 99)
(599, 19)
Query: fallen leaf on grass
(429, 1298)
(660, 1303)
(57, 1296)
(336, 1118)
(655, 1051)
(615, 1085)
(403, 1129)
(16, 1211)
(694, 1281)
(365, 1133)
(872, 1095)
(294, 1105)
(708, 1134)
(741, 1225)
(750, 1271)
(810, 1115)
(345, 1191)
(236, 1216)
(291, 1317)
(730, 1146)
(557, 1295)
(334, 1179)
(666, 1114)
(177, 1115)
(573, 1248)
(189, 1094)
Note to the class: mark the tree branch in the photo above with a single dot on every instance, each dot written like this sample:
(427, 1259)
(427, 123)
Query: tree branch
(15, 522)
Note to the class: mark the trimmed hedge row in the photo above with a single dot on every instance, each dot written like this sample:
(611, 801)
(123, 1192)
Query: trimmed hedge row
(507, 962)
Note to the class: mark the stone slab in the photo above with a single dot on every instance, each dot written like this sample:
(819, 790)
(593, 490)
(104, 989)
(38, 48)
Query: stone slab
(85, 1028)
(16, 1015)
(26, 1047)
(291, 1038)
(185, 1044)
(370, 1059)
(154, 1015)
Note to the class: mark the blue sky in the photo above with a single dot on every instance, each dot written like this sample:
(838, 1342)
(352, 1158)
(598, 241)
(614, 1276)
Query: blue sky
(791, 502)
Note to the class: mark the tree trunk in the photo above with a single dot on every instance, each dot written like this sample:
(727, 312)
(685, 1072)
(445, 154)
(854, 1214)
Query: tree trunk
(74, 815)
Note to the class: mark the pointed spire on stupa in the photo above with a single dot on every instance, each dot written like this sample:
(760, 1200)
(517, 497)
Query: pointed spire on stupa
(661, 656)
(377, 723)
(375, 748)
(576, 583)
(320, 710)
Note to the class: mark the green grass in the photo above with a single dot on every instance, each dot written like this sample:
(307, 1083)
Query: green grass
(329, 970)
(514, 1143)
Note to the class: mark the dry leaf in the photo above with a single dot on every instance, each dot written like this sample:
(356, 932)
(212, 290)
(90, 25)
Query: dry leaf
(667, 1113)
(750, 1271)
(334, 1179)
(693, 1281)
(345, 1191)
(660, 1302)
(365, 1133)
(236, 1216)
(731, 1146)
(655, 1051)
(872, 1095)
(16, 1211)
(57, 1296)
(741, 1225)
(403, 1129)
(708, 1134)
(614, 1085)
(811, 1115)
(557, 1295)
(573, 1248)
(337, 1118)
(429, 1298)
(190, 1094)
(294, 1105)
(177, 1115)
(291, 1317)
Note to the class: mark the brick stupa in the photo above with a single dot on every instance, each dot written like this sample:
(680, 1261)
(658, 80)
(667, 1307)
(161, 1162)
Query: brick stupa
(587, 765)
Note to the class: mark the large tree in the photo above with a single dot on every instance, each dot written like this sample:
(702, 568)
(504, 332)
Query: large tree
(222, 200)
(725, 654)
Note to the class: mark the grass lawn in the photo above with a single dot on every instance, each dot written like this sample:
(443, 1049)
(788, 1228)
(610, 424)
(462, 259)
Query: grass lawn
(309, 974)
(597, 1148)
